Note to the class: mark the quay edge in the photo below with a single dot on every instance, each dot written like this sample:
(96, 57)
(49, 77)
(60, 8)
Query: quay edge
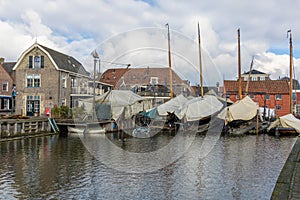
(12, 129)
(288, 182)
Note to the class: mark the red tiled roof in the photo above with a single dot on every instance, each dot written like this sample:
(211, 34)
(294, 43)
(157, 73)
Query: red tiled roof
(267, 86)
(141, 76)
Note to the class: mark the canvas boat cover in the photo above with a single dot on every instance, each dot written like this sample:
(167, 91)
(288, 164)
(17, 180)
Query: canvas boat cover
(286, 121)
(199, 108)
(173, 105)
(117, 102)
(244, 109)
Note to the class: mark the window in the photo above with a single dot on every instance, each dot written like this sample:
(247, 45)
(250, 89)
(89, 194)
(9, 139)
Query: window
(267, 97)
(252, 96)
(4, 86)
(63, 102)
(278, 107)
(64, 82)
(294, 96)
(245, 78)
(5, 104)
(278, 97)
(262, 78)
(33, 80)
(254, 78)
(154, 80)
(73, 82)
(36, 62)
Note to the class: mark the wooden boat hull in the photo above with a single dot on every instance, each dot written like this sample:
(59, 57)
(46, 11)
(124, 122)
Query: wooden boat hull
(282, 131)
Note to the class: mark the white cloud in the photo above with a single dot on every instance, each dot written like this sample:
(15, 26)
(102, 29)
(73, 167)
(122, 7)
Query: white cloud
(78, 27)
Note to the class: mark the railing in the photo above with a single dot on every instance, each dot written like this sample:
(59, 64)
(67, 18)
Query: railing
(154, 94)
(84, 90)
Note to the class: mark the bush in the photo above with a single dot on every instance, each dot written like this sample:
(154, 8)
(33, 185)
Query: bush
(60, 112)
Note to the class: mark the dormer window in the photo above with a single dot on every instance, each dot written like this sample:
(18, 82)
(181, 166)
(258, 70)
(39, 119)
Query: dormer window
(254, 78)
(154, 80)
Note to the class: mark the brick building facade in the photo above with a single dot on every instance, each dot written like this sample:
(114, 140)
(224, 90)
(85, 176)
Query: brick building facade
(46, 78)
(273, 94)
(7, 84)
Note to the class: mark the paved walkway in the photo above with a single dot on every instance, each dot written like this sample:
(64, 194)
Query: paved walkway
(288, 183)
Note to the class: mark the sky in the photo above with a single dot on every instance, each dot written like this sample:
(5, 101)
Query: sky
(134, 31)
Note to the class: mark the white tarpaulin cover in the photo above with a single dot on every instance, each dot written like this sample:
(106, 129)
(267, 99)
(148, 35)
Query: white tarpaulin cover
(244, 109)
(198, 108)
(118, 101)
(287, 121)
(172, 105)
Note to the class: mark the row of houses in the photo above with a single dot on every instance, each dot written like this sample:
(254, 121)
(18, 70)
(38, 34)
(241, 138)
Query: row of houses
(43, 78)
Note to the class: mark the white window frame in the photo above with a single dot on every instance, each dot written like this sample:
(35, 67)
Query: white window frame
(278, 97)
(154, 80)
(64, 81)
(254, 78)
(63, 102)
(6, 87)
(33, 78)
(37, 62)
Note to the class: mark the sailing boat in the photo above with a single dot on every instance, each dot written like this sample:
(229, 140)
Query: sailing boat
(240, 116)
(287, 124)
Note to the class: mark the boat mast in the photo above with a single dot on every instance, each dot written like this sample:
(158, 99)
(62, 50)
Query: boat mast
(249, 76)
(96, 57)
(239, 66)
(200, 62)
(170, 64)
(289, 32)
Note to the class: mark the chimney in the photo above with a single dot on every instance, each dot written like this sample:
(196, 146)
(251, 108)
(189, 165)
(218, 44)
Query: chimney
(2, 60)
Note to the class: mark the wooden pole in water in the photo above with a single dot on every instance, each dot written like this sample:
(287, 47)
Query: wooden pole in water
(239, 66)
(200, 63)
(170, 64)
(257, 122)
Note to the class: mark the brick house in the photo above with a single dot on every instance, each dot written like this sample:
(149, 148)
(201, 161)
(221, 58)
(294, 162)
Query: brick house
(47, 78)
(273, 94)
(7, 83)
(146, 81)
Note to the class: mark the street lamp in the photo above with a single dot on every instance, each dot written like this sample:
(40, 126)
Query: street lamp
(96, 57)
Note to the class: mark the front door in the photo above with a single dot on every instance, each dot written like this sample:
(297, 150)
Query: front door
(33, 105)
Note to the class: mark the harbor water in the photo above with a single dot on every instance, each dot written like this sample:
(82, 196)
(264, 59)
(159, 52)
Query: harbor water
(56, 167)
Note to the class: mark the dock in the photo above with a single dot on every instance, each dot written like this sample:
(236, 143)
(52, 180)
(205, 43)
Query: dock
(16, 128)
(288, 182)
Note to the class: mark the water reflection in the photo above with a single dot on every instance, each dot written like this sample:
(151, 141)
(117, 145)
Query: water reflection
(62, 168)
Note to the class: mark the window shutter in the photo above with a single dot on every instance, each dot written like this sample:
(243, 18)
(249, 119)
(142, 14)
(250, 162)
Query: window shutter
(30, 61)
(42, 61)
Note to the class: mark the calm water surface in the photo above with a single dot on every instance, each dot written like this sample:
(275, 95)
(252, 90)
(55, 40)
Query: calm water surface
(62, 168)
